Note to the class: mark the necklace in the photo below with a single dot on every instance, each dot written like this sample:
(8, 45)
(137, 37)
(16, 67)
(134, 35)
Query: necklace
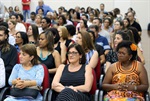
(41, 55)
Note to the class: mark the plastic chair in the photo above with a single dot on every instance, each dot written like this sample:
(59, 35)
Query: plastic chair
(45, 85)
(101, 92)
(48, 95)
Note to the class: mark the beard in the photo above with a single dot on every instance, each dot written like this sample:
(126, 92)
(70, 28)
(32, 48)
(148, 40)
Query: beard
(2, 42)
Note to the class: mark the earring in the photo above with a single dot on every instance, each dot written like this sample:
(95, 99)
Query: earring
(80, 61)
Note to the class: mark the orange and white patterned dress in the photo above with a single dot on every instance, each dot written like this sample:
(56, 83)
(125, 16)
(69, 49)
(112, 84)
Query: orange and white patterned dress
(125, 76)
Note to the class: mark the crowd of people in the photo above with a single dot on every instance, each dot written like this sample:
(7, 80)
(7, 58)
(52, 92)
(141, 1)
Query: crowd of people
(71, 43)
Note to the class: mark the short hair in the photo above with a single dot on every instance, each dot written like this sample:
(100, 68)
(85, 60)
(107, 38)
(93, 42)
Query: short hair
(24, 37)
(71, 29)
(127, 45)
(85, 15)
(50, 38)
(4, 24)
(31, 50)
(55, 34)
(33, 13)
(80, 51)
(99, 19)
(48, 20)
(102, 4)
(95, 27)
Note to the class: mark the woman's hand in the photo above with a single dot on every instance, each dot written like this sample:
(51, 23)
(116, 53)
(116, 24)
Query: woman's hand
(21, 84)
(73, 88)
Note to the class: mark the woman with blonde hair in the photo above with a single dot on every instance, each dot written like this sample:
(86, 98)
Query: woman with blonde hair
(64, 41)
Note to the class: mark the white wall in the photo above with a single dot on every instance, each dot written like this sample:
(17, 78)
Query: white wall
(142, 7)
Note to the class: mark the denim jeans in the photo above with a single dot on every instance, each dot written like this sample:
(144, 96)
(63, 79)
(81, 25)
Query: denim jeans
(26, 13)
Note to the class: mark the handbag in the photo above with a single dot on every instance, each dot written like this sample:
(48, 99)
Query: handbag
(31, 92)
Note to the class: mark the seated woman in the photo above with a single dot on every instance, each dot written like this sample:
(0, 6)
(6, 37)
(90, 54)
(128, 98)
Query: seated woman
(21, 39)
(46, 53)
(28, 73)
(33, 34)
(2, 74)
(84, 39)
(124, 79)
(73, 81)
(111, 57)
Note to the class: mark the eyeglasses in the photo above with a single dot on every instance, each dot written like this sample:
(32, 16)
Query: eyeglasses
(72, 53)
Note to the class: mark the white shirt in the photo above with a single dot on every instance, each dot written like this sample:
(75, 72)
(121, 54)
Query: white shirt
(2, 73)
(105, 34)
(20, 27)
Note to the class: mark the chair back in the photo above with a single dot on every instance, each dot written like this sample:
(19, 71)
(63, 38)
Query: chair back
(46, 82)
(98, 70)
(94, 85)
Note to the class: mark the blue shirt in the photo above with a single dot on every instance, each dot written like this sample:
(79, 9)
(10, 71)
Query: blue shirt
(103, 42)
(45, 8)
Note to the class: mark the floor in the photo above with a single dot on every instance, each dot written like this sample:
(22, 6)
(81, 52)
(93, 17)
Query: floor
(146, 52)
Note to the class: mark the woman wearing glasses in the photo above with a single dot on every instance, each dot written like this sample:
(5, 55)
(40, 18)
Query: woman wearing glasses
(73, 81)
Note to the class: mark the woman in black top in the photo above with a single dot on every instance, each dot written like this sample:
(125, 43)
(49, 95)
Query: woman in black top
(47, 54)
(73, 81)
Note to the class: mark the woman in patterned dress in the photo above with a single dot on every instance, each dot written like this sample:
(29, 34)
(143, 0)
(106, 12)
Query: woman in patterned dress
(124, 80)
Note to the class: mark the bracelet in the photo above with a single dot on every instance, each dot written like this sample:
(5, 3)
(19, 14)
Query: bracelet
(135, 88)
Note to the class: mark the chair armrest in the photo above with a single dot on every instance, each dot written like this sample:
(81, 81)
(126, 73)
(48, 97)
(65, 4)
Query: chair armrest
(96, 95)
(45, 96)
(101, 82)
(147, 96)
(5, 91)
(101, 95)
(50, 95)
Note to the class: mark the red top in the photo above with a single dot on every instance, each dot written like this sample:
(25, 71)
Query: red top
(25, 7)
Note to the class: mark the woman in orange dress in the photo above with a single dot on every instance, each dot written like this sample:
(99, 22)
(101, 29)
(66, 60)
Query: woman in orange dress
(124, 79)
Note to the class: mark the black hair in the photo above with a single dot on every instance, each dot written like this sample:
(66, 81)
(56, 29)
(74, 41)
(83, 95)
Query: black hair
(85, 23)
(33, 13)
(99, 19)
(21, 16)
(93, 34)
(24, 37)
(95, 27)
(136, 36)
(80, 51)
(127, 45)
(63, 18)
(48, 20)
(71, 29)
(55, 34)
(16, 15)
(110, 22)
(124, 35)
(85, 15)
